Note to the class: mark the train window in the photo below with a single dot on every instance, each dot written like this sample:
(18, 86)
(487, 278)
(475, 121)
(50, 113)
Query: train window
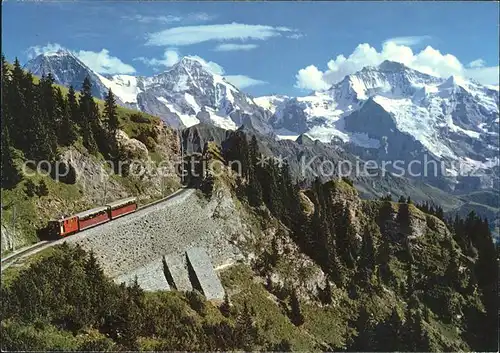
(94, 214)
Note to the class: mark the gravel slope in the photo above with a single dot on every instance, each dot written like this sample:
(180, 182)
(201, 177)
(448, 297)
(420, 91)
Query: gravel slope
(168, 229)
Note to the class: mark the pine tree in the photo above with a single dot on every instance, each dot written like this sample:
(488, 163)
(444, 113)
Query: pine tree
(30, 188)
(19, 93)
(48, 104)
(246, 330)
(74, 109)
(225, 307)
(6, 88)
(295, 312)
(367, 260)
(10, 173)
(43, 143)
(42, 189)
(89, 117)
(345, 236)
(254, 188)
(66, 132)
(111, 114)
(389, 333)
(326, 293)
(383, 257)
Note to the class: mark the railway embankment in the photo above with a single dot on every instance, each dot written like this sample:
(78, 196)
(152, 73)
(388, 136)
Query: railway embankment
(164, 231)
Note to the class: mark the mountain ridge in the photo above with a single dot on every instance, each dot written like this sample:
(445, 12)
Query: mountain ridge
(446, 119)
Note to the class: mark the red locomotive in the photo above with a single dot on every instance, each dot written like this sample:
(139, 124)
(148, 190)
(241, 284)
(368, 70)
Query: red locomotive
(90, 218)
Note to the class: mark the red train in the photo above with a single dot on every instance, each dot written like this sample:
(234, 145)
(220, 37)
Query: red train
(90, 218)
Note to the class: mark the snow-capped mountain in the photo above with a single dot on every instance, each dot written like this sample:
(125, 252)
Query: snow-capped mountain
(389, 112)
(67, 70)
(190, 93)
(186, 94)
(392, 112)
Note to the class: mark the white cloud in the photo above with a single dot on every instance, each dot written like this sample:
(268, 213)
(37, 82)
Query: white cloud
(235, 47)
(295, 36)
(242, 81)
(485, 75)
(428, 60)
(100, 62)
(104, 63)
(36, 50)
(166, 19)
(187, 35)
(477, 63)
(170, 58)
(201, 16)
(311, 78)
(151, 19)
(210, 65)
(409, 40)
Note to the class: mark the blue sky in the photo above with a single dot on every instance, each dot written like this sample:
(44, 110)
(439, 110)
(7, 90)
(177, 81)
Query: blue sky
(265, 48)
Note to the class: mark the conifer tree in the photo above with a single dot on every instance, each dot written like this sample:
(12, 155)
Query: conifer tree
(367, 260)
(74, 111)
(89, 118)
(225, 307)
(18, 94)
(47, 102)
(245, 329)
(43, 143)
(6, 86)
(254, 187)
(66, 133)
(42, 189)
(111, 114)
(326, 293)
(295, 312)
(30, 188)
(10, 174)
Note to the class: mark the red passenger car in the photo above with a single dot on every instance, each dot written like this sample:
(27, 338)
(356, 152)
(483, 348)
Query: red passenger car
(64, 226)
(122, 207)
(86, 219)
(93, 217)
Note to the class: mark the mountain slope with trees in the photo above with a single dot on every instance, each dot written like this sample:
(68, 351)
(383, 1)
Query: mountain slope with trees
(325, 271)
(48, 129)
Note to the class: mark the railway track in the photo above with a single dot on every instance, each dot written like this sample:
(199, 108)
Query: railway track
(32, 249)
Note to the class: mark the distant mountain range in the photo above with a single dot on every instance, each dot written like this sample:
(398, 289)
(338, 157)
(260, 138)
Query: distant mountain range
(384, 113)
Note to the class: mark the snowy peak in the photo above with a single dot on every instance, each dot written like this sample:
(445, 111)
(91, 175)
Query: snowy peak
(67, 70)
(188, 93)
(60, 53)
(388, 79)
(192, 65)
(453, 82)
(399, 112)
(388, 65)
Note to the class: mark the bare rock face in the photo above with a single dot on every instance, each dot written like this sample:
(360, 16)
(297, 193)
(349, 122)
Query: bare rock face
(93, 177)
(418, 222)
(98, 183)
(131, 147)
(307, 204)
(9, 239)
(295, 269)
